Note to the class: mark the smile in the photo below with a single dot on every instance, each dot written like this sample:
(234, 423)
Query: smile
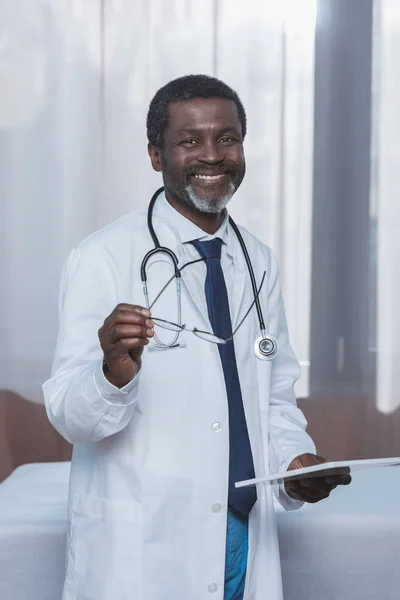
(210, 177)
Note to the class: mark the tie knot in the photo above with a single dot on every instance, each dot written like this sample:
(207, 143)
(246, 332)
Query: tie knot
(208, 249)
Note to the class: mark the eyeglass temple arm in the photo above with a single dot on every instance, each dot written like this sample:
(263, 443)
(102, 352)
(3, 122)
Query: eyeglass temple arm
(173, 277)
(182, 327)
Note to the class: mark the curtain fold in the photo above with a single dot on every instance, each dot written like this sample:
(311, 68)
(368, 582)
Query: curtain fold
(385, 205)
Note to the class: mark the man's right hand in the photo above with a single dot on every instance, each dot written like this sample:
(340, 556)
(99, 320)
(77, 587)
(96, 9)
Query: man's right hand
(122, 337)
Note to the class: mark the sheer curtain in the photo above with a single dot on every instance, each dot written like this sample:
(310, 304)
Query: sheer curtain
(76, 78)
(385, 199)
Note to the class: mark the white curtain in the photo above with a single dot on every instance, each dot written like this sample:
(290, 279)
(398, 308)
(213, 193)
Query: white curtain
(385, 198)
(76, 78)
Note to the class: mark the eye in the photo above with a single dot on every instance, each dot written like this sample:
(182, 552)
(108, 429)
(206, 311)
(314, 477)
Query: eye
(227, 139)
(189, 142)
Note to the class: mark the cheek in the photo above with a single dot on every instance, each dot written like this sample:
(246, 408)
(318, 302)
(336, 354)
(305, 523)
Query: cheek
(237, 156)
(174, 166)
(172, 171)
(241, 158)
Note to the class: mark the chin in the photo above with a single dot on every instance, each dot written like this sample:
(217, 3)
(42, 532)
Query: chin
(209, 205)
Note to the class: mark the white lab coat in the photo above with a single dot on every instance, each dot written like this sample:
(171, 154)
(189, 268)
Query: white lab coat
(149, 478)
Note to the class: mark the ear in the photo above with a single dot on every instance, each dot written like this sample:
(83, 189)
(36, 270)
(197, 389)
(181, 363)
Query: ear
(155, 157)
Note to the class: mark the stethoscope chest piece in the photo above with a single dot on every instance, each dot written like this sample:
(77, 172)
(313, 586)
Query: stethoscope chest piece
(266, 347)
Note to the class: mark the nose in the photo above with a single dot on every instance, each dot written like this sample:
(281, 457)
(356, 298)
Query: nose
(210, 152)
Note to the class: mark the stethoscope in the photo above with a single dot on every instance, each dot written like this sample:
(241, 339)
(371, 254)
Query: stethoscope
(265, 346)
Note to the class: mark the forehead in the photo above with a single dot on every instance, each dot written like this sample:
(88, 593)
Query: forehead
(203, 113)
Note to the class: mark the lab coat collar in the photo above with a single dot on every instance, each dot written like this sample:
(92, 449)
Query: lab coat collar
(186, 231)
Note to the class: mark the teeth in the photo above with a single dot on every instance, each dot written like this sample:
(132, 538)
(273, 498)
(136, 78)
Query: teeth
(209, 176)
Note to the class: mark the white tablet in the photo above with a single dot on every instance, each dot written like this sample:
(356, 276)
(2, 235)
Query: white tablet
(323, 470)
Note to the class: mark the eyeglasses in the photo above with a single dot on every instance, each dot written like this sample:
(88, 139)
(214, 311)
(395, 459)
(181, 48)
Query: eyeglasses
(204, 335)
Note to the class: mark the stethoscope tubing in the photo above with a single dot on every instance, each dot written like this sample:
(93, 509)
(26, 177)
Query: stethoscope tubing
(158, 248)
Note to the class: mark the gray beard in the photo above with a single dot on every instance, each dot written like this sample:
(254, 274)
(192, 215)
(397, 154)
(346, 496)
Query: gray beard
(208, 205)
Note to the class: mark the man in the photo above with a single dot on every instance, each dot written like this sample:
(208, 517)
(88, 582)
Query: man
(163, 421)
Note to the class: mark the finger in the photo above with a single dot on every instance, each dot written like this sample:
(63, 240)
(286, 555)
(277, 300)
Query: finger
(316, 485)
(306, 460)
(326, 483)
(124, 345)
(124, 307)
(126, 313)
(307, 495)
(314, 459)
(108, 338)
(112, 326)
(127, 316)
(293, 494)
(321, 459)
(128, 331)
(339, 479)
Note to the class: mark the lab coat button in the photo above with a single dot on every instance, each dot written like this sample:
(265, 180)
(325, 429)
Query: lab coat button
(216, 427)
(216, 508)
(212, 588)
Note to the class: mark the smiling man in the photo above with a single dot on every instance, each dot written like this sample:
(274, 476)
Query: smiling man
(167, 408)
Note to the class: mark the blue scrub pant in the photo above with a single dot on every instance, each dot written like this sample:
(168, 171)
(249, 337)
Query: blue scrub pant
(236, 556)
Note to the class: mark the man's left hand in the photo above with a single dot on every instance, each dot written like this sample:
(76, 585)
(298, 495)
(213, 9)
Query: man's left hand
(316, 488)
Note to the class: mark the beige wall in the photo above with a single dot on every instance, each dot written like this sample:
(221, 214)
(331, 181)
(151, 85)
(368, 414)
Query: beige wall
(26, 435)
(351, 428)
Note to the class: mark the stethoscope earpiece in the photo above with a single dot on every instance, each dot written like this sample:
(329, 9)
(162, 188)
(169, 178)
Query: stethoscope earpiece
(266, 347)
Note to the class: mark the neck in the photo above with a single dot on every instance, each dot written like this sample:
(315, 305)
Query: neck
(208, 222)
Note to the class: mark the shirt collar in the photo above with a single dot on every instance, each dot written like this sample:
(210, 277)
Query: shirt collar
(187, 231)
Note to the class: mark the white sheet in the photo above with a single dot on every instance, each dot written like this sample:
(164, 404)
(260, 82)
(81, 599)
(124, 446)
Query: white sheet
(344, 548)
(33, 525)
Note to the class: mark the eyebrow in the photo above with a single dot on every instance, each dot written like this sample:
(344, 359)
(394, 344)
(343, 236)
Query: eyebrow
(191, 130)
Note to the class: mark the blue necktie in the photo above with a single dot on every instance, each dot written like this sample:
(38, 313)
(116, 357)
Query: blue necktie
(240, 458)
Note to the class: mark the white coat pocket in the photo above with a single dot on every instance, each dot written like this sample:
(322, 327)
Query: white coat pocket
(104, 559)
